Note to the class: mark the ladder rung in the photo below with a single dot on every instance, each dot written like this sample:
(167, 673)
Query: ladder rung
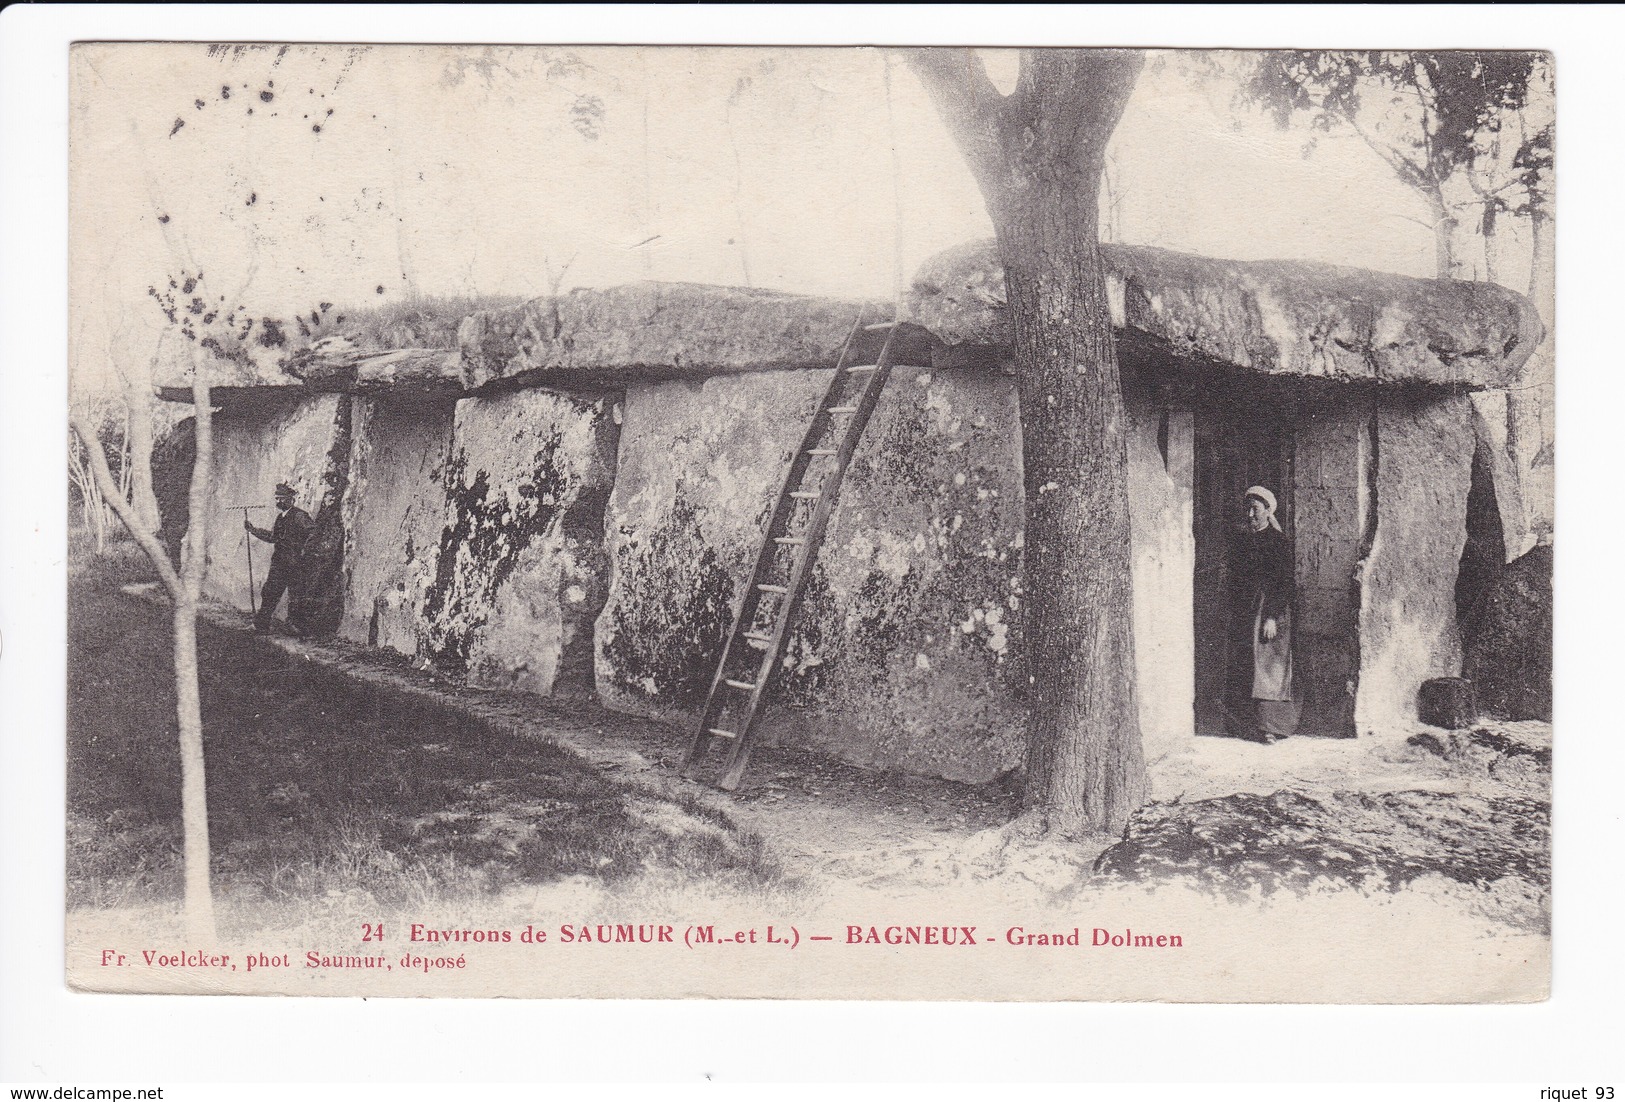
(843, 409)
(880, 325)
(805, 495)
(789, 541)
(758, 636)
(855, 368)
(820, 451)
(765, 588)
(746, 685)
(718, 732)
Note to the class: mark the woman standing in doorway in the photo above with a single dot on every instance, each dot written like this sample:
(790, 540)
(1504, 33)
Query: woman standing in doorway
(1259, 701)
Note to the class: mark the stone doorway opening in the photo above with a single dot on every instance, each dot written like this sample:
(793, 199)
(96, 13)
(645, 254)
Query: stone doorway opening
(1242, 440)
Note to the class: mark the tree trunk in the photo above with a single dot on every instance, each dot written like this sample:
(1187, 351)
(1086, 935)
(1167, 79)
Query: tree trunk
(1444, 236)
(194, 795)
(1038, 155)
(1529, 428)
(194, 561)
(1543, 246)
(1492, 244)
(1085, 764)
(138, 445)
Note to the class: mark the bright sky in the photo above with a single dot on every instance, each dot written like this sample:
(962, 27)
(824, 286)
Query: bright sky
(458, 170)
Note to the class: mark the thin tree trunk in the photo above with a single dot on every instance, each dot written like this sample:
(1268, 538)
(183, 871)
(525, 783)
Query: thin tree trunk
(1444, 236)
(1529, 432)
(183, 587)
(138, 459)
(194, 561)
(1543, 245)
(1492, 244)
(194, 793)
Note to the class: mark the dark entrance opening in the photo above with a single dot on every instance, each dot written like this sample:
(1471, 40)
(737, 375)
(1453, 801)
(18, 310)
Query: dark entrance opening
(1241, 440)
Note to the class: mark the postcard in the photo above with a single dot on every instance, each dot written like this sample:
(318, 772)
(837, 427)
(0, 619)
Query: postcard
(811, 523)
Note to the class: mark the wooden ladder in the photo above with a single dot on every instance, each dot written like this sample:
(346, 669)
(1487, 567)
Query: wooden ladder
(762, 616)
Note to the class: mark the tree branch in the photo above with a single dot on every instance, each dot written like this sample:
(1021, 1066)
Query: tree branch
(1069, 91)
(965, 99)
(196, 552)
(1402, 166)
(104, 481)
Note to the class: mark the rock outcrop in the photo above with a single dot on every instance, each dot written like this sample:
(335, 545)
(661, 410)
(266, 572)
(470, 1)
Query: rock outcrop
(1509, 640)
(1516, 754)
(1276, 317)
(1294, 840)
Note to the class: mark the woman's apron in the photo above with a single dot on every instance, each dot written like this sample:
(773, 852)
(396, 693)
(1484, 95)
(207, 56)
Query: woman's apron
(1272, 659)
(1272, 676)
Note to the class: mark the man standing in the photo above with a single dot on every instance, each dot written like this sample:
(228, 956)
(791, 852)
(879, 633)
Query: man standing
(289, 533)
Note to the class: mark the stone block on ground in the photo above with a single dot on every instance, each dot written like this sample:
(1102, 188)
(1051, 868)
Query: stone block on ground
(1447, 702)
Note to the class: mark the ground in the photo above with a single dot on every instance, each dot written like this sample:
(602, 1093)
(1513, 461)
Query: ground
(343, 779)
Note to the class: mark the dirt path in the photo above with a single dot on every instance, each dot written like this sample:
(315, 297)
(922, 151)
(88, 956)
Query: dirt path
(821, 818)
(818, 816)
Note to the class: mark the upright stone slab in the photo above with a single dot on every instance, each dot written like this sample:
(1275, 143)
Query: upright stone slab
(518, 570)
(699, 465)
(258, 444)
(395, 510)
(1161, 459)
(906, 653)
(1332, 467)
(1408, 632)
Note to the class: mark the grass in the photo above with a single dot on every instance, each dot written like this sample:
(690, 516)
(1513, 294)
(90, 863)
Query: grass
(321, 788)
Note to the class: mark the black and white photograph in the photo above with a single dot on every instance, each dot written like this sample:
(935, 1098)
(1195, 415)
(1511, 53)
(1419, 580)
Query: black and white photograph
(866, 523)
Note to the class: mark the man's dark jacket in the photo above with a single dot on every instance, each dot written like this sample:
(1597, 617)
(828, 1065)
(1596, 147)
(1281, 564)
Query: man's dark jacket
(289, 533)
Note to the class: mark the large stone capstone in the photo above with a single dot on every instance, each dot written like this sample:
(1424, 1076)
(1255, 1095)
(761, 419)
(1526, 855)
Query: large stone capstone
(1277, 317)
(653, 331)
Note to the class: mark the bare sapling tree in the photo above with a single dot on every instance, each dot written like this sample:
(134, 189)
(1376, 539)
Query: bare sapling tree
(93, 509)
(1037, 155)
(183, 303)
(212, 332)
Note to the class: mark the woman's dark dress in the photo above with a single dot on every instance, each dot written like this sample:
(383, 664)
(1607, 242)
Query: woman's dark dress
(1259, 673)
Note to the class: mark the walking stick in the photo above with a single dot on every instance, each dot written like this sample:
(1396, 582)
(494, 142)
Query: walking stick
(248, 545)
